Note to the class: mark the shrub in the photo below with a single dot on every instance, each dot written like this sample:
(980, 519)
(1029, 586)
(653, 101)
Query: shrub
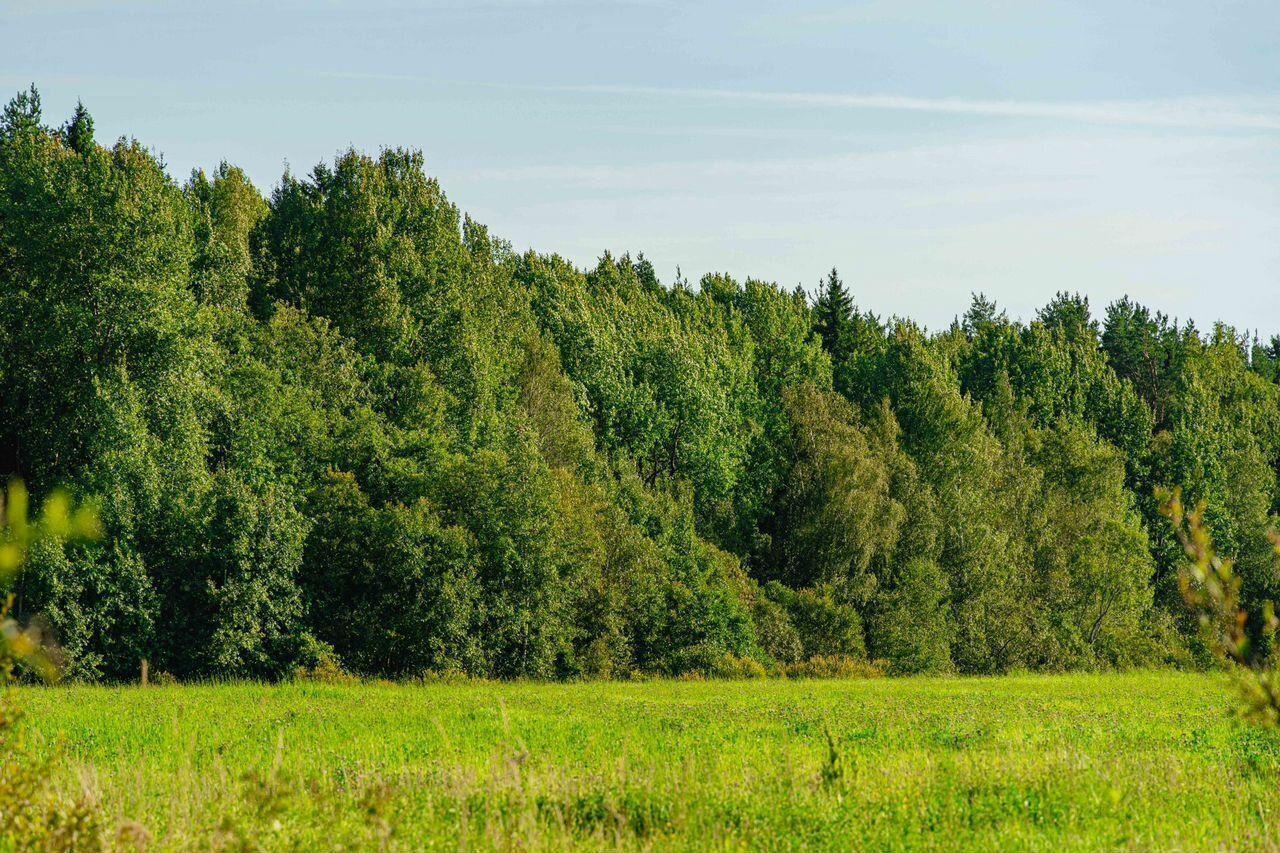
(775, 634)
(326, 671)
(706, 661)
(909, 621)
(825, 625)
(833, 666)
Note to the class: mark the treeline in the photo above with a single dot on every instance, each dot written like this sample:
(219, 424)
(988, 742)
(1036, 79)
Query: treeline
(347, 424)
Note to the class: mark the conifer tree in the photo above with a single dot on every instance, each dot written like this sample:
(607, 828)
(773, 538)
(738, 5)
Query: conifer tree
(21, 114)
(833, 314)
(835, 321)
(78, 132)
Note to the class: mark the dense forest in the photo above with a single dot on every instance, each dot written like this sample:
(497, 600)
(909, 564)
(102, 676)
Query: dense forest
(346, 424)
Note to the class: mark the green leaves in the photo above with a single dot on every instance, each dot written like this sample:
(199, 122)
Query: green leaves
(349, 415)
(58, 519)
(1211, 589)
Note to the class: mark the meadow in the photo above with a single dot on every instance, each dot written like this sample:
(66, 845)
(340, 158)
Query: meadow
(1143, 760)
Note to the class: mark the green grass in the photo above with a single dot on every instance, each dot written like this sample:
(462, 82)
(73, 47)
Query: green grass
(1144, 760)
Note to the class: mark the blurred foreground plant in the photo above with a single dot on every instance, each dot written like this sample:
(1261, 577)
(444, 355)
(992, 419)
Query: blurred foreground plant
(1211, 588)
(57, 520)
(32, 815)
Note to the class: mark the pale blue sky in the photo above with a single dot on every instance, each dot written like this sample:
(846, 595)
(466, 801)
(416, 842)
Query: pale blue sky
(927, 149)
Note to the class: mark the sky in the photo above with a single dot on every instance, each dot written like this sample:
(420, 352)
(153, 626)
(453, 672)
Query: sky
(928, 150)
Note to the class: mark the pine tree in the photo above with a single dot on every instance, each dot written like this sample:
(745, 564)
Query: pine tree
(1069, 314)
(21, 115)
(982, 313)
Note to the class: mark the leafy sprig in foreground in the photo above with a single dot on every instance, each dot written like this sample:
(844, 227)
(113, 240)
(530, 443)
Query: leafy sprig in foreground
(1211, 586)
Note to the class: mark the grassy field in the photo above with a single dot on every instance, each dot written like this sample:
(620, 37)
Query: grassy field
(1146, 760)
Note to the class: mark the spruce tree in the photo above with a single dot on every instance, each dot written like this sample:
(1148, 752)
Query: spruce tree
(834, 321)
(833, 314)
(78, 132)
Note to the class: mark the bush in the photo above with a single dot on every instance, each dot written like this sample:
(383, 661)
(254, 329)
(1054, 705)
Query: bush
(775, 634)
(326, 671)
(909, 621)
(705, 661)
(404, 582)
(825, 626)
(833, 666)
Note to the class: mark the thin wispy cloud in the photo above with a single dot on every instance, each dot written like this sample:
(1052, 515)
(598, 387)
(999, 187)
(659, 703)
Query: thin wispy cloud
(1202, 113)
(988, 161)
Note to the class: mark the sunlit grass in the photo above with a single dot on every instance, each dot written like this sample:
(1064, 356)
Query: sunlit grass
(1146, 760)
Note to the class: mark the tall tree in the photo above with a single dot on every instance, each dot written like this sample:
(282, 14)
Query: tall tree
(833, 313)
(78, 132)
(835, 321)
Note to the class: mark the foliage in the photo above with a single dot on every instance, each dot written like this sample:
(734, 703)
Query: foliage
(1211, 587)
(345, 425)
(33, 814)
(20, 534)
